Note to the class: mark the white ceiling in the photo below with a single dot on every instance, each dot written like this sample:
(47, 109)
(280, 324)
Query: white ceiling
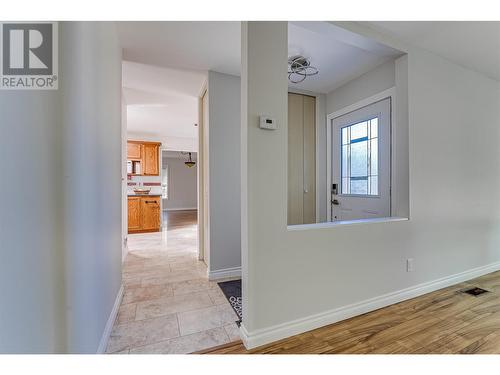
(216, 45)
(161, 101)
(199, 45)
(167, 62)
(340, 56)
(166, 66)
(474, 45)
(203, 46)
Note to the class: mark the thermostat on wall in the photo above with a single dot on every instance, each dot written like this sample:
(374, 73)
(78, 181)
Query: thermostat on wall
(267, 122)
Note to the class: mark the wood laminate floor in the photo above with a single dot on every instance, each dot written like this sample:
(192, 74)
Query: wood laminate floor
(446, 321)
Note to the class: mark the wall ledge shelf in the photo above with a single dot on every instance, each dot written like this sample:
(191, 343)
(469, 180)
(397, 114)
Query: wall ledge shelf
(343, 223)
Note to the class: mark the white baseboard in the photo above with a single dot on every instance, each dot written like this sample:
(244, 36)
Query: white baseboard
(109, 324)
(280, 331)
(224, 273)
(124, 249)
(181, 209)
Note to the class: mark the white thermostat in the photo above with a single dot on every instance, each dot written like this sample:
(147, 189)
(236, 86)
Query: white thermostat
(267, 122)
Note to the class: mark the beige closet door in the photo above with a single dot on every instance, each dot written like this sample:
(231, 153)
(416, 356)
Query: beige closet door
(295, 159)
(301, 159)
(309, 159)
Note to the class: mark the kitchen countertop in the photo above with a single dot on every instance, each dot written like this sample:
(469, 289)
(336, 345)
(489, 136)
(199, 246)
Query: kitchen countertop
(143, 195)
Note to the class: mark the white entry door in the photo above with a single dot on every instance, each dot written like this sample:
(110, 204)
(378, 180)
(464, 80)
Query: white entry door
(361, 163)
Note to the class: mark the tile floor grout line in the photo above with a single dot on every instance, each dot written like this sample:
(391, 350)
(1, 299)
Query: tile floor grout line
(178, 337)
(170, 255)
(180, 312)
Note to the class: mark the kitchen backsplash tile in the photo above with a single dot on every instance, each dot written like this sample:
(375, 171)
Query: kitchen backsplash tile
(153, 182)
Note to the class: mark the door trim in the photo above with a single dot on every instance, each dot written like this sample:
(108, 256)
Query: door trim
(201, 178)
(389, 93)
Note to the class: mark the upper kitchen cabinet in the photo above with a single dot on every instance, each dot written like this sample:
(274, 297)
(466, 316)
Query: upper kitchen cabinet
(151, 159)
(134, 151)
(143, 158)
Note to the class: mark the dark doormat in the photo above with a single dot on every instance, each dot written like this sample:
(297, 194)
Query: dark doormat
(232, 291)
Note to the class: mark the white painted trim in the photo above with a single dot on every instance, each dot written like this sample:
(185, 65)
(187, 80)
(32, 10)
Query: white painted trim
(328, 169)
(244, 335)
(202, 180)
(125, 250)
(203, 88)
(224, 273)
(181, 209)
(389, 93)
(124, 186)
(280, 331)
(101, 349)
(363, 103)
(162, 225)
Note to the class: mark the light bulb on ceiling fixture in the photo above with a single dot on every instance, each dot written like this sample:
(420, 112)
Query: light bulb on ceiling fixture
(299, 68)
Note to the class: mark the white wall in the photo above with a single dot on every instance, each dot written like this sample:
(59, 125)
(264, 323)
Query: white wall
(60, 228)
(376, 80)
(32, 314)
(91, 99)
(224, 171)
(182, 185)
(303, 276)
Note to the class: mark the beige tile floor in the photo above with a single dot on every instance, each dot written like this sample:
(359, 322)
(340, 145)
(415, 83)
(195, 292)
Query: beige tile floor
(169, 306)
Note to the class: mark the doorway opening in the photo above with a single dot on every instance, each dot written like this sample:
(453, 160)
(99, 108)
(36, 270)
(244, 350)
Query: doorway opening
(347, 127)
(179, 186)
(172, 302)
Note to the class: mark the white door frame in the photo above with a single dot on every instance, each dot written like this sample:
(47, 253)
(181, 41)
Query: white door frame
(389, 93)
(201, 178)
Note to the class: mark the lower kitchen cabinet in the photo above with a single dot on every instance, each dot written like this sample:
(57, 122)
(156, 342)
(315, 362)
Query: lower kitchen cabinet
(144, 214)
(134, 213)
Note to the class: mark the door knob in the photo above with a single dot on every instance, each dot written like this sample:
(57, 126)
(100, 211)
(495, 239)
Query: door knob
(335, 202)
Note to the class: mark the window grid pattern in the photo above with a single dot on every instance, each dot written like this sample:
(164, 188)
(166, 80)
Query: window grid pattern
(359, 158)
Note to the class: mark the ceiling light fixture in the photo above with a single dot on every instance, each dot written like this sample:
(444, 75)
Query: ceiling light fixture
(299, 68)
(189, 163)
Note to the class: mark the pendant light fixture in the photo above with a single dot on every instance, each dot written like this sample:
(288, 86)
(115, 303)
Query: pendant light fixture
(189, 163)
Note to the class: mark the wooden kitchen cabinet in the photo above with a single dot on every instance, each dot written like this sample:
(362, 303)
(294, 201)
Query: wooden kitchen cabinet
(144, 214)
(150, 207)
(134, 213)
(134, 151)
(144, 158)
(151, 160)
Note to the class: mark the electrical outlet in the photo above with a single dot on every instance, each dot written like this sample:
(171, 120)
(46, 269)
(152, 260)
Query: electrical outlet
(409, 265)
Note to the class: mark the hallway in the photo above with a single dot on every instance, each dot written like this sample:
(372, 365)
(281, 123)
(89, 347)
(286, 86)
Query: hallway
(169, 306)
